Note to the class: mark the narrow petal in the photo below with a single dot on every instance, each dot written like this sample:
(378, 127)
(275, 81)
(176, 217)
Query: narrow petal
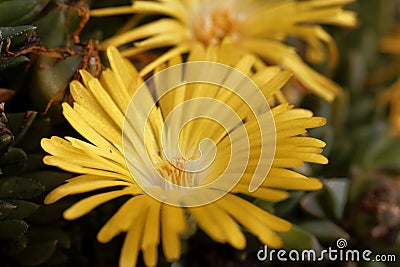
(86, 205)
(131, 246)
(247, 216)
(219, 225)
(173, 223)
(77, 188)
(293, 183)
(151, 233)
(262, 193)
(131, 211)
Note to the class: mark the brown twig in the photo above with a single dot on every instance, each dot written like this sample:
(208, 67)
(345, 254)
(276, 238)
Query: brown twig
(58, 52)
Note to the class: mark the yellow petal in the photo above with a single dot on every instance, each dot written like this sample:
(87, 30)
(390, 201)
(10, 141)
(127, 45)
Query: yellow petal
(254, 219)
(262, 193)
(101, 125)
(180, 49)
(219, 225)
(130, 248)
(86, 205)
(301, 123)
(81, 187)
(105, 101)
(117, 90)
(173, 223)
(84, 97)
(283, 55)
(132, 210)
(305, 141)
(110, 158)
(83, 128)
(124, 71)
(293, 183)
(149, 29)
(151, 233)
(65, 164)
(293, 114)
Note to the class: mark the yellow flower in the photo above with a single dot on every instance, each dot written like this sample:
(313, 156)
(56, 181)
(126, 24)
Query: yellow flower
(260, 27)
(126, 154)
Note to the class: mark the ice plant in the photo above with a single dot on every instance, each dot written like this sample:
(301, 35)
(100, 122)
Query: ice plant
(108, 161)
(261, 27)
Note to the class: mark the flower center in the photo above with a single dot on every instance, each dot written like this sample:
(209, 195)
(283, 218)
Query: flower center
(216, 24)
(175, 173)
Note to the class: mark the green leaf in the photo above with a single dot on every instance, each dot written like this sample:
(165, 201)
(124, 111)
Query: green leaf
(50, 213)
(23, 209)
(63, 21)
(15, 246)
(311, 204)
(287, 207)
(47, 233)
(52, 76)
(296, 238)
(14, 121)
(51, 179)
(388, 157)
(18, 35)
(265, 205)
(324, 230)
(34, 128)
(20, 123)
(13, 156)
(34, 164)
(36, 253)
(5, 209)
(5, 141)
(21, 188)
(12, 62)
(15, 12)
(12, 229)
(330, 202)
(337, 192)
(48, 82)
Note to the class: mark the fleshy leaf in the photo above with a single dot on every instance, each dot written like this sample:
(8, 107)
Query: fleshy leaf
(324, 230)
(23, 209)
(36, 253)
(21, 188)
(296, 238)
(12, 229)
(5, 209)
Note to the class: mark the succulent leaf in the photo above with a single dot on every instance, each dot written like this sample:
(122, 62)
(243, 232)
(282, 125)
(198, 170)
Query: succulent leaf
(12, 229)
(20, 188)
(14, 12)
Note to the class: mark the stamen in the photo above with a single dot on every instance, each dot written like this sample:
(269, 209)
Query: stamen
(213, 27)
(175, 173)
